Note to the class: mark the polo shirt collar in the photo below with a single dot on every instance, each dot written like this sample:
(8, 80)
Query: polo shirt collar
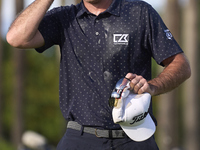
(113, 9)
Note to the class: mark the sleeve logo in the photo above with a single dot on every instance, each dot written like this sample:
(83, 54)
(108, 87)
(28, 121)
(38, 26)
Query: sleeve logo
(168, 34)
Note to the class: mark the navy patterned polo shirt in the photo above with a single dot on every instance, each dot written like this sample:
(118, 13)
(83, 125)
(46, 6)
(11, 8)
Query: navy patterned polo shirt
(97, 51)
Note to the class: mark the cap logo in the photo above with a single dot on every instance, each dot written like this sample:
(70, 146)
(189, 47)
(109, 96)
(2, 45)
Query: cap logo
(139, 117)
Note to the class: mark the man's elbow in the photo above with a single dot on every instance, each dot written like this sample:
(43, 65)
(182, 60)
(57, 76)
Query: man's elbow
(189, 72)
(187, 69)
(13, 40)
(185, 66)
(24, 42)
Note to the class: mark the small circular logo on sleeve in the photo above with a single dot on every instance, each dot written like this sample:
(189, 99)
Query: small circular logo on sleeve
(168, 34)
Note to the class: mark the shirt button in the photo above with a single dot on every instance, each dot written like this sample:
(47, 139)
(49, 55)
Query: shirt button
(97, 33)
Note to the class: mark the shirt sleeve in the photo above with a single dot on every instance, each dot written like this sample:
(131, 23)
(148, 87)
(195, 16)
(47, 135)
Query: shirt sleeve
(158, 39)
(50, 28)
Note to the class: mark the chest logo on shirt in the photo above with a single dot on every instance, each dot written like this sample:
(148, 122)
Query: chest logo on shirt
(120, 39)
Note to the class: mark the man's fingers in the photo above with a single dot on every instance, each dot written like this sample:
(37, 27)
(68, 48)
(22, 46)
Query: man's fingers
(134, 82)
(130, 76)
(138, 84)
(144, 88)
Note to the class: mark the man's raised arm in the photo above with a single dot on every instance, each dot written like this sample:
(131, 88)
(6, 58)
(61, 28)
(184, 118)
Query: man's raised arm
(23, 32)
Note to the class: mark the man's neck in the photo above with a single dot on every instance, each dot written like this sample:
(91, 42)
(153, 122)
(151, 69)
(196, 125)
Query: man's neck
(98, 7)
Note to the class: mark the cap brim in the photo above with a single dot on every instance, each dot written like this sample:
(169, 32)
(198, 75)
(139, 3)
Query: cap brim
(140, 132)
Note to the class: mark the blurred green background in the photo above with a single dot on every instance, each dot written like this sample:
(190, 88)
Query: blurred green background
(29, 81)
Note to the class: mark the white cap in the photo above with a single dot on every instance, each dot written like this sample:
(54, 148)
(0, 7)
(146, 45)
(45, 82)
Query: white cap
(131, 113)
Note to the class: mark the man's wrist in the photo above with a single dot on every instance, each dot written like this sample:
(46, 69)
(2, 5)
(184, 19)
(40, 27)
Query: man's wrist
(153, 89)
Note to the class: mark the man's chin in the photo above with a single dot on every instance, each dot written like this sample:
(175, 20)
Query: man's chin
(92, 1)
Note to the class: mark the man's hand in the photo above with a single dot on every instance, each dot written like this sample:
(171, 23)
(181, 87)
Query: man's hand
(139, 84)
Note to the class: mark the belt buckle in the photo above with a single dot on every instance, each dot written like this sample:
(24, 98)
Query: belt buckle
(97, 134)
(109, 134)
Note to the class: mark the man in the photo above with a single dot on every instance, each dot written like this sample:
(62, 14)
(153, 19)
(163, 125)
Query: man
(102, 41)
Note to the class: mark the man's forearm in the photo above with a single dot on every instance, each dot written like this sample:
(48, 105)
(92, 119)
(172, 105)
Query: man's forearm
(25, 26)
(172, 76)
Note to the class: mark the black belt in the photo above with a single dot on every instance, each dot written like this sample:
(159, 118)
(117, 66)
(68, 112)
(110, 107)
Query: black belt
(98, 132)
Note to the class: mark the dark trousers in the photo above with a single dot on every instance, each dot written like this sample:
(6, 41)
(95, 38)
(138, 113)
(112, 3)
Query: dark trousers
(75, 140)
